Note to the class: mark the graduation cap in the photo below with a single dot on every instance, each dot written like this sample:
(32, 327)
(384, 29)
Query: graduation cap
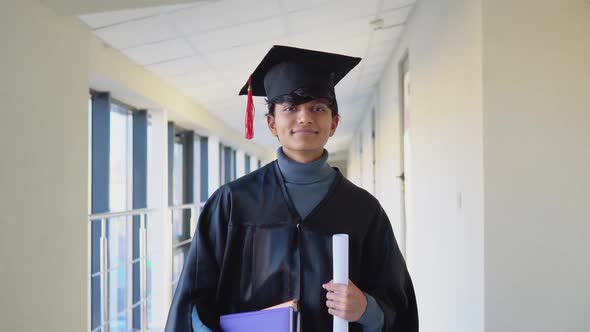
(285, 69)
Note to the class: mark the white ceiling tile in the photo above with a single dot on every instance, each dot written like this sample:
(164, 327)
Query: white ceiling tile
(334, 13)
(395, 4)
(352, 47)
(159, 52)
(136, 33)
(225, 13)
(298, 5)
(98, 20)
(215, 88)
(240, 62)
(334, 34)
(395, 16)
(387, 35)
(201, 78)
(192, 64)
(213, 47)
(239, 35)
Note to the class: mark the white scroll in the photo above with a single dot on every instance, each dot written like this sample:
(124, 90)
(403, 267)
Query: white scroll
(340, 268)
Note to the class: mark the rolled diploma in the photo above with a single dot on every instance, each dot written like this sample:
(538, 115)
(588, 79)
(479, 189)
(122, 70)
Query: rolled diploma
(340, 268)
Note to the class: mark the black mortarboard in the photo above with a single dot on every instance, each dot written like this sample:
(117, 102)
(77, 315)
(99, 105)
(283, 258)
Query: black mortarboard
(285, 69)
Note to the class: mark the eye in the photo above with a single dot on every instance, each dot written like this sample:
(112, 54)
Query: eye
(289, 109)
(319, 108)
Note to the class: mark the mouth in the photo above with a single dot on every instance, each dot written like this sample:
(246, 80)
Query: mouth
(304, 131)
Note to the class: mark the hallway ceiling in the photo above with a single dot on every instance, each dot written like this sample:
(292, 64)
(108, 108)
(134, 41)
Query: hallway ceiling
(207, 49)
(79, 7)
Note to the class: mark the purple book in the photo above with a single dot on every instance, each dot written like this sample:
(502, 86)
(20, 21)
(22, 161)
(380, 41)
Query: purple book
(270, 320)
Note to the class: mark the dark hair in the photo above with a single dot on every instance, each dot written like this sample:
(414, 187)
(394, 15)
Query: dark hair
(301, 96)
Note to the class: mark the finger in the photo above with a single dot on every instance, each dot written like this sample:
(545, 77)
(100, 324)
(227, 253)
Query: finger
(340, 288)
(331, 296)
(335, 312)
(335, 305)
(336, 297)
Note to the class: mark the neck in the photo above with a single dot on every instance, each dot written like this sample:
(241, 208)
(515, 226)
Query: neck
(304, 173)
(303, 157)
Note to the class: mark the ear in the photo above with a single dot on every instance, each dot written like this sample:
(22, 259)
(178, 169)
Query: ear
(270, 120)
(335, 121)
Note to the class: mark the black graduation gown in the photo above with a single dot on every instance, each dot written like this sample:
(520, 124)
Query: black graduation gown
(252, 250)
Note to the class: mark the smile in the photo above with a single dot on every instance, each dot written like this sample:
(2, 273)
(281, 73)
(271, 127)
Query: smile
(303, 131)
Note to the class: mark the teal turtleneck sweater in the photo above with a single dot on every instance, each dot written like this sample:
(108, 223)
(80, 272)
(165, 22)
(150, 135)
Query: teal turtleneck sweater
(307, 184)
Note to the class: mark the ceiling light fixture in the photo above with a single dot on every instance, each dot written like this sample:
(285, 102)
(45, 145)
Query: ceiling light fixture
(379, 24)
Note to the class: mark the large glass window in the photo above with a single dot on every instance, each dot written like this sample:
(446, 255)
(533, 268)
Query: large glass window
(183, 187)
(227, 164)
(119, 228)
(121, 159)
(115, 256)
(247, 163)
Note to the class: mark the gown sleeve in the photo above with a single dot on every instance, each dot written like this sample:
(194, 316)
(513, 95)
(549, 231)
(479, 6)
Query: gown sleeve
(387, 278)
(198, 283)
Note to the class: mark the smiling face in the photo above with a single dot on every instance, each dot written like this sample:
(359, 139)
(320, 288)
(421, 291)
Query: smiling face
(303, 129)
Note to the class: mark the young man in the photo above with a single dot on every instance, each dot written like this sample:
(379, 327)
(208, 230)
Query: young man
(266, 238)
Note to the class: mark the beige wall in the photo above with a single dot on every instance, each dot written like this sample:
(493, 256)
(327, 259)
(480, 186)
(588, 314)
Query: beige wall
(536, 68)
(43, 170)
(501, 86)
(444, 236)
(48, 64)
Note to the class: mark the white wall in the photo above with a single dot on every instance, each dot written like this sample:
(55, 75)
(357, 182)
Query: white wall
(43, 170)
(445, 234)
(500, 86)
(159, 231)
(213, 171)
(367, 174)
(537, 165)
(240, 163)
(45, 67)
(354, 161)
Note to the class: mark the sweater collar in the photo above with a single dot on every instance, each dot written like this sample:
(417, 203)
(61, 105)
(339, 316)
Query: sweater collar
(303, 173)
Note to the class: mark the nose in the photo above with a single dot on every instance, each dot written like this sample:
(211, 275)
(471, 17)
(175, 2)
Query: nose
(304, 114)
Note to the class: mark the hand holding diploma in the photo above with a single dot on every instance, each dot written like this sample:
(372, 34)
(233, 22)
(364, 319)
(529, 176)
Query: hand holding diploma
(345, 301)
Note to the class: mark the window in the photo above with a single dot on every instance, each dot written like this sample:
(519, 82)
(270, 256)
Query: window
(247, 163)
(227, 164)
(117, 167)
(119, 229)
(182, 193)
(204, 152)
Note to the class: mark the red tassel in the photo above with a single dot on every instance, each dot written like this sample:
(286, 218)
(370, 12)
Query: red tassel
(250, 112)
